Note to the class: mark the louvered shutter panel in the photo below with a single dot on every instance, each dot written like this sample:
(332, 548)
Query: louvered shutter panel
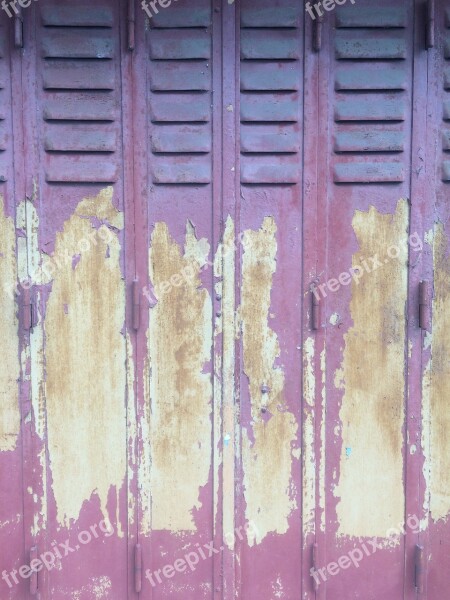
(270, 94)
(80, 99)
(364, 188)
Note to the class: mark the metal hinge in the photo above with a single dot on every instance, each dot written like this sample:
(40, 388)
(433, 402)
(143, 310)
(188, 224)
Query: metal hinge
(131, 24)
(18, 28)
(424, 305)
(431, 12)
(137, 568)
(315, 308)
(136, 304)
(314, 557)
(419, 568)
(29, 319)
(34, 573)
(317, 34)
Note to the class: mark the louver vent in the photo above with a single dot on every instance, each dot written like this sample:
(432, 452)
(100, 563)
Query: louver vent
(371, 99)
(270, 88)
(180, 48)
(5, 139)
(80, 97)
(446, 100)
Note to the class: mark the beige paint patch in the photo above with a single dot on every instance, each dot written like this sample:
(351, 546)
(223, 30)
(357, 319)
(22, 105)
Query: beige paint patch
(267, 450)
(372, 376)
(180, 348)
(10, 364)
(230, 437)
(85, 361)
(438, 455)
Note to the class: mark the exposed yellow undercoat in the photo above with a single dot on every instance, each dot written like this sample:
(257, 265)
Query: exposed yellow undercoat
(267, 460)
(309, 455)
(370, 484)
(85, 362)
(9, 365)
(438, 450)
(180, 348)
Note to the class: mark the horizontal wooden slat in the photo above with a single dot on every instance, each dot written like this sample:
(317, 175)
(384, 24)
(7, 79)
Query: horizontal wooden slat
(446, 139)
(77, 43)
(80, 107)
(369, 141)
(80, 169)
(271, 171)
(4, 137)
(172, 170)
(171, 76)
(179, 139)
(446, 114)
(3, 38)
(447, 44)
(447, 77)
(371, 16)
(446, 170)
(79, 139)
(180, 44)
(77, 16)
(270, 107)
(270, 44)
(270, 139)
(178, 16)
(372, 108)
(381, 172)
(275, 16)
(380, 45)
(274, 76)
(180, 107)
(371, 77)
(80, 74)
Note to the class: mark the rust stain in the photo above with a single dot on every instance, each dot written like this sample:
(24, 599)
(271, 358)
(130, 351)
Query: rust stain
(85, 358)
(10, 365)
(370, 484)
(267, 451)
(438, 451)
(180, 348)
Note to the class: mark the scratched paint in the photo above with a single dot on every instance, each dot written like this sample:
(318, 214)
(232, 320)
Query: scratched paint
(85, 316)
(437, 416)
(180, 345)
(370, 488)
(10, 367)
(267, 452)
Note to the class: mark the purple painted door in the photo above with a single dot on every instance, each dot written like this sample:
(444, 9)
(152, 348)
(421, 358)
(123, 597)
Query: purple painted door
(224, 269)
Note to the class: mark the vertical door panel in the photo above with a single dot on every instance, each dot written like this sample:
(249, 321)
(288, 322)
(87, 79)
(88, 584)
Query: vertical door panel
(178, 477)
(11, 438)
(362, 288)
(81, 360)
(436, 344)
(269, 301)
